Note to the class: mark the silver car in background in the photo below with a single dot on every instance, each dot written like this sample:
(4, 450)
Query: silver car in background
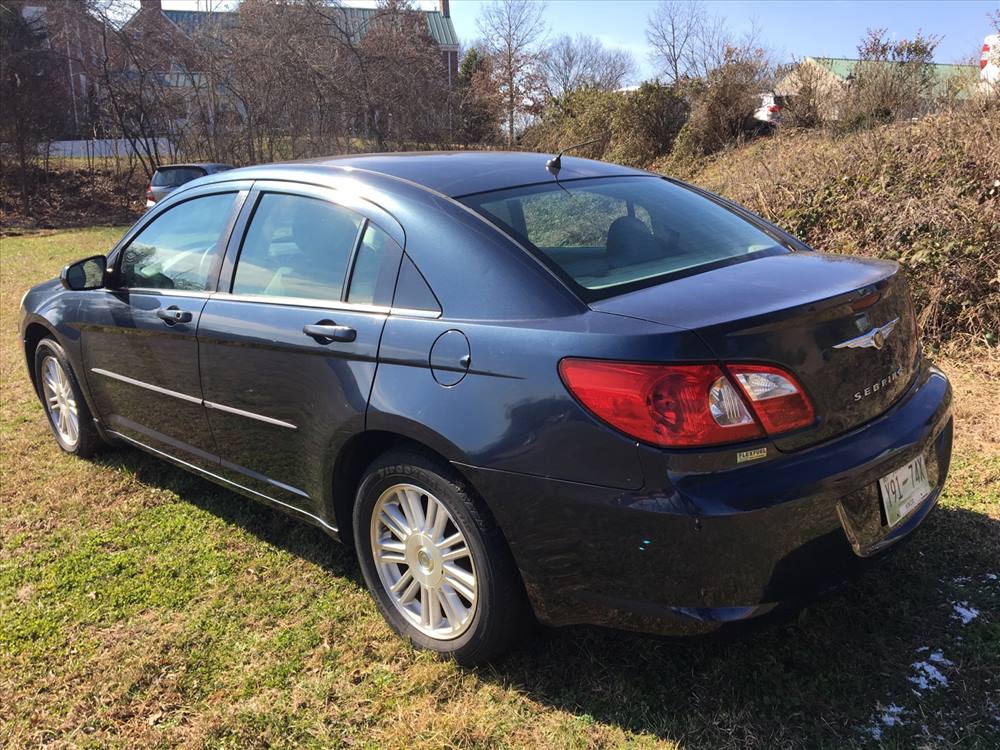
(168, 178)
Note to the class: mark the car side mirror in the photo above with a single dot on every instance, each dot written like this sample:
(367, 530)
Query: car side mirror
(85, 274)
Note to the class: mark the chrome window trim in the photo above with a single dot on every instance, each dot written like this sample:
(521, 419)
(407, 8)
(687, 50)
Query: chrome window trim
(218, 478)
(324, 304)
(193, 399)
(414, 313)
(192, 293)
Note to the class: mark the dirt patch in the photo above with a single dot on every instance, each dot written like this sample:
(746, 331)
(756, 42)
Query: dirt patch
(71, 197)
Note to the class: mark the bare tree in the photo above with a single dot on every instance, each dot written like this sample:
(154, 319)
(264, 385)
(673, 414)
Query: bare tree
(512, 30)
(672, 31)
(690, 42)
(584, 62)
(31, 92)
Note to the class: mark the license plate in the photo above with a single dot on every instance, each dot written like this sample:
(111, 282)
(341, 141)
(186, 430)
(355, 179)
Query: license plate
(904, 489)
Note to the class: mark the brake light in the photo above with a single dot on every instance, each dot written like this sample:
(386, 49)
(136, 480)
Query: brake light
(984, 58)
(688, 405)
(778, 400)
(149, 193)
(774, 108)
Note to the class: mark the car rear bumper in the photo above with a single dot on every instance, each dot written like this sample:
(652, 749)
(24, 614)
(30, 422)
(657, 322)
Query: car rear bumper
(692, 553)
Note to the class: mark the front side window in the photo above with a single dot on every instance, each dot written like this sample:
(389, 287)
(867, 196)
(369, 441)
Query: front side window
(611, 235)
(178, 249)
(296, 246)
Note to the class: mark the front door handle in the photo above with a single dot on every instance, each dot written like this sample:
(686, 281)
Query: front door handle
(326, 331)
(173, 314)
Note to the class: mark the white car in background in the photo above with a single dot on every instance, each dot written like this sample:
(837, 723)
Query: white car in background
(989, 62)
(770, 108)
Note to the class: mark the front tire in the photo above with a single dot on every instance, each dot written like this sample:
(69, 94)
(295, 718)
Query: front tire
(435, 562)
(69, 418)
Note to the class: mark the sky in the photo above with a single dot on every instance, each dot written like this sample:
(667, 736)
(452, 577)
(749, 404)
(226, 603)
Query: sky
(791, 29)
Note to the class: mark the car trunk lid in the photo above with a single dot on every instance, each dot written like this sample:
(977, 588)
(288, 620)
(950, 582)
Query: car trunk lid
(843, 326)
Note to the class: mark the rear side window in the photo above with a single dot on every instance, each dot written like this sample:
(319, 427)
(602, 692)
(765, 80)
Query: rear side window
(179, 248)
(176, 176)
(296, 246)
(375, 265)
(608, 236)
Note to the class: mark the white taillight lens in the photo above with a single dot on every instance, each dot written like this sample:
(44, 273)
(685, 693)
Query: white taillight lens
(760, 386)
(778, 400)
(726, 405)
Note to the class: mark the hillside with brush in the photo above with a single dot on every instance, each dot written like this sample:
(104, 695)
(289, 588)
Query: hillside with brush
(926, 194)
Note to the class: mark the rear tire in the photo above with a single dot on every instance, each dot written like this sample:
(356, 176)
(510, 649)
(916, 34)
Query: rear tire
(59, 391)
(443, 576)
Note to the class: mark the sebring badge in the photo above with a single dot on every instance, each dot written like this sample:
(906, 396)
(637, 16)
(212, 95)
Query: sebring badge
(875, 337)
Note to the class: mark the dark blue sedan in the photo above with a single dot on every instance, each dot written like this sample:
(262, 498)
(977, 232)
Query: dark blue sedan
(519, 387)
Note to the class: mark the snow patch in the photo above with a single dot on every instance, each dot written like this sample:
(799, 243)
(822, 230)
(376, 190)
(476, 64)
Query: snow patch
(891, 717)
(927, 676)
(964, 611)
(938, 657)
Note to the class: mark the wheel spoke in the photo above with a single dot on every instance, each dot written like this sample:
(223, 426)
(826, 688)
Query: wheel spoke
(403, 581)
(440, 521)
(410, 592)
(390, 546)
(434, 510)
(391, 556)
(461, 580)
(414, 513)
(454, 610)
(455, 554)
(393, 520)
(451, 541)
(430, 611)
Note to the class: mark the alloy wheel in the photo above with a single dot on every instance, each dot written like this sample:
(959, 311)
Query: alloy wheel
(60, 400)
(424, 561)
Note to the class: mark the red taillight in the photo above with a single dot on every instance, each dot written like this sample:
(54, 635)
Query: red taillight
(985, 57)
(688, 405)
(774, 108)
(777, 398)
(149, 193)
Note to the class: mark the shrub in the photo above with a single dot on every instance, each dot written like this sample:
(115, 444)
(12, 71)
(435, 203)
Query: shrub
(633, 128)
(724, 103)
(892, 81)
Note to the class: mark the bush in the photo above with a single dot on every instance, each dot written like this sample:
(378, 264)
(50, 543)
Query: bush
(633, 128)
(724, 103)
(926, 194)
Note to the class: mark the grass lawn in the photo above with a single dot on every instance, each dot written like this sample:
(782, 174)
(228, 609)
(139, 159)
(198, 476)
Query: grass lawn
(141, 606)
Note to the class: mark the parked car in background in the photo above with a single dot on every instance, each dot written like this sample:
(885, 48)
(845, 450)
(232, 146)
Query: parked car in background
(989, 62)
(770, 108)
(170, 177)
(566, 388)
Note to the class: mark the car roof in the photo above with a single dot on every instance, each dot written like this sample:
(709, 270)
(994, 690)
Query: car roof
(452, 173)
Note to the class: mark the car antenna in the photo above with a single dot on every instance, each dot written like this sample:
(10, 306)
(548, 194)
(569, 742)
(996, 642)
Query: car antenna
(555, 163)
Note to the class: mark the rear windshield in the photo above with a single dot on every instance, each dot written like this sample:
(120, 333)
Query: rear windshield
(612, 235)
(174, 176)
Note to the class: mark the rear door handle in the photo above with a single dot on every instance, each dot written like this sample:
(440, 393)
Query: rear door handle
(173, 314)
(326, 331)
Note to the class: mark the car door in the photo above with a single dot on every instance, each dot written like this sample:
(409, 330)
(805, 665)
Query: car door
(288, 352)
(138, 338)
